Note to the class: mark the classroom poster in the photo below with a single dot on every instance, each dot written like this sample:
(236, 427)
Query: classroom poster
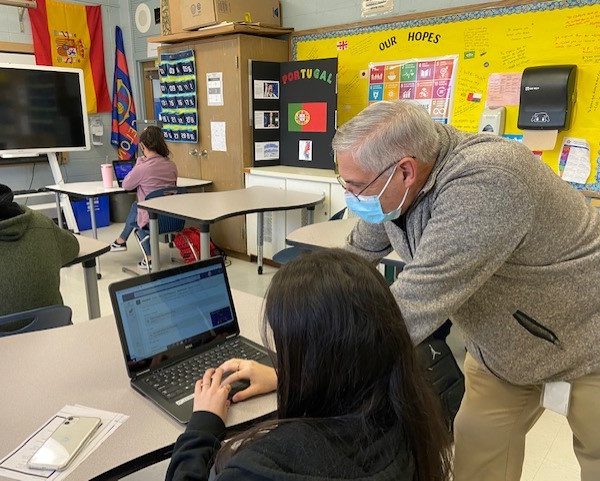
(493, 46)
(294, 112)
(426, 81)
(179, 115)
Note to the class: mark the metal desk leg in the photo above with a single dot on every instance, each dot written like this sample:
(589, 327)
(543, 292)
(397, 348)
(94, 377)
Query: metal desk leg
(91, 288)
(58, 210)
(154, 252)
(204, 241)
(260, 226)
(310, 217)
(94, 228)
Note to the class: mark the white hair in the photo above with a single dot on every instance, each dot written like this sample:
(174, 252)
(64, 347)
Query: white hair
(388, 131)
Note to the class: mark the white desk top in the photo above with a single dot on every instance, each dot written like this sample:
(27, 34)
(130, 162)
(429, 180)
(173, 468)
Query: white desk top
(89, 248)
(213, 206)
(83, 364)
(96, 188)
(299, 173)
(330, 235)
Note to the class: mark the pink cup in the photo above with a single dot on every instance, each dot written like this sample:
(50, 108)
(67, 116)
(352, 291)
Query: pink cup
(107, 175)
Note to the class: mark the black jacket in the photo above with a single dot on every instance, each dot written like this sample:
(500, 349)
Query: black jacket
(297, 451)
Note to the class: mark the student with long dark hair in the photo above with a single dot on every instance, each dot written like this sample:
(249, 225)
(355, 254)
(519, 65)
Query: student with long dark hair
(153, 171)
(352, 400)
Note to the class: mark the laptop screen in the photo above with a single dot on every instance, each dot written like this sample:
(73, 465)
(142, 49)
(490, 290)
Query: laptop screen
(122, 168)
(165, 315)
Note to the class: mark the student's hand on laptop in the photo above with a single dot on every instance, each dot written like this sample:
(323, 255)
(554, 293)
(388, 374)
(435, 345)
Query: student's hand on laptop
(263, 379)
(211, 395)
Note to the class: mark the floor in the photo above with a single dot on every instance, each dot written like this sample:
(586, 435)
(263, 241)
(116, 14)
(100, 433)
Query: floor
(548, 454)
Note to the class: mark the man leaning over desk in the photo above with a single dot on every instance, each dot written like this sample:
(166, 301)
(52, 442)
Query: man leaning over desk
(498, 243)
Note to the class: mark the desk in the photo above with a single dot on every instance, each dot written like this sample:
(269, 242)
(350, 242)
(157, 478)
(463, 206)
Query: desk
(207, 208)
(83, 364)
(89, 249)
(333, 234)
(91, 190)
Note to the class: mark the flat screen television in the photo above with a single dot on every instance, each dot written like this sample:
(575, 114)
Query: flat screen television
(42, 110)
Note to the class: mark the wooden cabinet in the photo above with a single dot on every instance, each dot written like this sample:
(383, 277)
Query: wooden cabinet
(230, 55)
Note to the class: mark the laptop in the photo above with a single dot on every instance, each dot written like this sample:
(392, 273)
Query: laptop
(121, 169)
(175, 324)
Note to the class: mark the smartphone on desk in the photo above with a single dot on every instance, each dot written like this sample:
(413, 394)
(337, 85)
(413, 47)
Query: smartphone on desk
(64, 444)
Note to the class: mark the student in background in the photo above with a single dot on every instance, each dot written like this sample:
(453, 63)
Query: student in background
(352, 400)
(32, 251)
(152, 171)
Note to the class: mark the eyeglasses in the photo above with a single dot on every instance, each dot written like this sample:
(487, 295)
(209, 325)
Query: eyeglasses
(344, 185)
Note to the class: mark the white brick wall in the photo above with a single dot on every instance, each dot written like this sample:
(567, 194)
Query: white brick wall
(9, 26)
(309, 14)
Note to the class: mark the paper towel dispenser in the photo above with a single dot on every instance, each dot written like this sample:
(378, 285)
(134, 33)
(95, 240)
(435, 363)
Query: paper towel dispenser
(547, 97)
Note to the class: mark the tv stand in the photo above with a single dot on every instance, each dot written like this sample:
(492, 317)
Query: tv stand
(62, 200)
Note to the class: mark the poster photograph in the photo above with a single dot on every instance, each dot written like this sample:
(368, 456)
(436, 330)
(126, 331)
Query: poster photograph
(266, 150)
(266, 90)
(266, 119)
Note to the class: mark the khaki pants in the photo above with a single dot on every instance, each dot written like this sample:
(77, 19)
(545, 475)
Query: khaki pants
(490, 427)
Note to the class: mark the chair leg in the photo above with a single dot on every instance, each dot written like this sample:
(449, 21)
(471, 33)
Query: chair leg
(140, 242)
(135, 272)
(191, 246)
(128, 270)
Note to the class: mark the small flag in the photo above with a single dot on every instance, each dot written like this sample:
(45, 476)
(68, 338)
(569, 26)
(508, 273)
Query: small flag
(474, 97)
(124, 136)
(342, 45)
(307, 117)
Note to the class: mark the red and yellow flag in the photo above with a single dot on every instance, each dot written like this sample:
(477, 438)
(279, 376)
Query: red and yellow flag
(70, 35)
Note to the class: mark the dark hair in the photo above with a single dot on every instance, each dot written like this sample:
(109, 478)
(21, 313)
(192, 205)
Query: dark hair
(152, 138)
(8, 208)
(333, 305)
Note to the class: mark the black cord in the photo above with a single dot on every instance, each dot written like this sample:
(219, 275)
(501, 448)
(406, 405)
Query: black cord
(31, 183)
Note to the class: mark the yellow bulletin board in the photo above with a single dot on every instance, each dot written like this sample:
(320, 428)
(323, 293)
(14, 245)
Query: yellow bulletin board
(490, 41)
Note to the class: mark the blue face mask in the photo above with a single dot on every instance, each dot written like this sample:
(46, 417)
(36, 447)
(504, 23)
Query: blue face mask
(369, 207)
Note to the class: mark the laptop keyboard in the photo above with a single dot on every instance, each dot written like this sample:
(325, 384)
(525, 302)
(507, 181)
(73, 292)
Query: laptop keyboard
(180, 379)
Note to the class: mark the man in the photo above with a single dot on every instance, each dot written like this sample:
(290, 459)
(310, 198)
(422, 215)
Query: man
(496, 242)
(32, 251)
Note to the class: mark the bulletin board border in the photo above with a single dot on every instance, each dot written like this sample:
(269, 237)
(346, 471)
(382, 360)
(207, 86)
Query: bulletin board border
(433, 17)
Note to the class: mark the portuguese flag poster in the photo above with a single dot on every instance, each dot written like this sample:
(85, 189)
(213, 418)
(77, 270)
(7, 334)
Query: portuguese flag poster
(298, 121)
(307, 117)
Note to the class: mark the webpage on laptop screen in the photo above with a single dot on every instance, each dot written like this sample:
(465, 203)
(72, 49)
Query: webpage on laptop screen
(170, 311)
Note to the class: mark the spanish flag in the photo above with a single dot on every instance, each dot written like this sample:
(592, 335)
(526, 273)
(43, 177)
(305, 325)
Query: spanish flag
(70, 35)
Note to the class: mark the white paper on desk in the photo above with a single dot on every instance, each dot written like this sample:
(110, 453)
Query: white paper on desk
(14, 466)
(575, 157)
(217, 136)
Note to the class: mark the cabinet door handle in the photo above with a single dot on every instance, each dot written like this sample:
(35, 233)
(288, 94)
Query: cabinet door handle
(199, 153)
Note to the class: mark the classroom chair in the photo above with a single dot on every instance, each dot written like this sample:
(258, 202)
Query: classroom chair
(168, 226)
(35, 320)
(290, 253)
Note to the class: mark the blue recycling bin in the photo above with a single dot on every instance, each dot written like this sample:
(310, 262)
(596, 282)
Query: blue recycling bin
(82, 212)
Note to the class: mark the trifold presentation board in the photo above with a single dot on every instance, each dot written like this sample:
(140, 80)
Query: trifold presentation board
(457, 63)
(294, 113)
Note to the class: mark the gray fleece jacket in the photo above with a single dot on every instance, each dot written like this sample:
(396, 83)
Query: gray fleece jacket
(499, 244)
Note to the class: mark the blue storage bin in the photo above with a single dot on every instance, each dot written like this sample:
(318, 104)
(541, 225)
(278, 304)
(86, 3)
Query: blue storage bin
(82, 212)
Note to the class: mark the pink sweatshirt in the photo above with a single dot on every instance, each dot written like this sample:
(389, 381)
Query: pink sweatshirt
(148, 175)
